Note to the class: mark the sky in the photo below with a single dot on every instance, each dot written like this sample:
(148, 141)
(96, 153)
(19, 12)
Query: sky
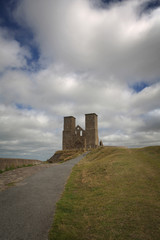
(69, 58)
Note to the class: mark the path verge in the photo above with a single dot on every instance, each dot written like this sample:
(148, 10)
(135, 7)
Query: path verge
(27, 209)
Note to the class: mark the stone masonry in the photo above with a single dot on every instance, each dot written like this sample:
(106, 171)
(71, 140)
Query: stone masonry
(75, 137)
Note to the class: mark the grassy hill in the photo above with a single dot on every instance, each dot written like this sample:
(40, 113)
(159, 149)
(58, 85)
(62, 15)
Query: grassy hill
(112, 194)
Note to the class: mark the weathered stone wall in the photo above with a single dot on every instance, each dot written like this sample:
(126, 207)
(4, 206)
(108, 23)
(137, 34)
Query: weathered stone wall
(77, 138)
(68, 140)
(69, 132)
(9, 162)
(91, 127)
(69, 123)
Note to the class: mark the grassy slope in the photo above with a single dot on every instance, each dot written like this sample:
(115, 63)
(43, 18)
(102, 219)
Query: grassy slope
(112, 194)
(64, 155)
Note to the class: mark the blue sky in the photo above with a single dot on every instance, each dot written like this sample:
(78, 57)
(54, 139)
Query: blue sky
(61, 58)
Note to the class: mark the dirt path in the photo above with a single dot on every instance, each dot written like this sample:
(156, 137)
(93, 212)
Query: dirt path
(27, 209)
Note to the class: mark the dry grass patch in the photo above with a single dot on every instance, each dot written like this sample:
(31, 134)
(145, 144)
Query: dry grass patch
(112, 194)
(64, 155)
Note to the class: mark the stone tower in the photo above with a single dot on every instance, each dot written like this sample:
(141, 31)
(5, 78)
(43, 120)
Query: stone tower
(91, 122)
(68, 132)
(74, 137)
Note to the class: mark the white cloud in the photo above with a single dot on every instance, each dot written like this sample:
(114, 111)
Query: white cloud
(26, 131)
(114, 41)
(51, 95)
(146, 100)
(12, 55)
(90, 56)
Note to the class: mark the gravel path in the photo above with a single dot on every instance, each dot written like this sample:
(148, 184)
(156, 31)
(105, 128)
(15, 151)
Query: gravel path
(27, 209)
(11, 178)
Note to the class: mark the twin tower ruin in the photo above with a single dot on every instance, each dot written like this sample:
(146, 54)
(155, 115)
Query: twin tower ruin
(74, 137)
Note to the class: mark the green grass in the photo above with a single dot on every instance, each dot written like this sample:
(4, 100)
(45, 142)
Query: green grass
(112, 194)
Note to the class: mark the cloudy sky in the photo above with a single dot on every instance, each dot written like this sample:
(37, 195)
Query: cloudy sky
(65, 57)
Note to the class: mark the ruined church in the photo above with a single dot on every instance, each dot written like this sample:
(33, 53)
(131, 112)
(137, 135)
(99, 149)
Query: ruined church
(75, 137)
